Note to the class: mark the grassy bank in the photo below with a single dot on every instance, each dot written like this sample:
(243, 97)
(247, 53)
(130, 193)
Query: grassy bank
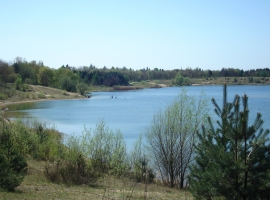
(36, 186)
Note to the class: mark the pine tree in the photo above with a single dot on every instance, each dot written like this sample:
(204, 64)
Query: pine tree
(232, 158)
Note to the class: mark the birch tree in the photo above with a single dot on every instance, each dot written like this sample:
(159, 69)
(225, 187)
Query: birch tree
(172, 136)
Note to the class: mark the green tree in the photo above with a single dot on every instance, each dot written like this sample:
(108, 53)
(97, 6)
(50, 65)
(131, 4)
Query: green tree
(66, 75)
(27, 70)
(187, 81)
(172, 136)
(179, 79)
(95, 79)
(46, 76)
(232, 158)
(81, 88)
(66, 83)
(5, 72)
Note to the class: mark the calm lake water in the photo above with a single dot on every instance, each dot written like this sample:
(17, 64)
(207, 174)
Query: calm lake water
(130, 111)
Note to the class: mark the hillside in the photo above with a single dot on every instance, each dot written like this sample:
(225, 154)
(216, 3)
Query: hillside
(34, 93)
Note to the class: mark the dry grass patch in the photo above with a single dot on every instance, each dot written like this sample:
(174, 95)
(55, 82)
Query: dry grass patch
(36, 186)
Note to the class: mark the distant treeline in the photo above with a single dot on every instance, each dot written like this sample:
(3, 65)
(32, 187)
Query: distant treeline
(66, 77)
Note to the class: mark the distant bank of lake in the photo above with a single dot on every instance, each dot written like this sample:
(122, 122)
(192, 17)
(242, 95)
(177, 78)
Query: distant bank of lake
(130, 111)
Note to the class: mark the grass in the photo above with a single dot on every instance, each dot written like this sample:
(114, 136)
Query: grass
(34, 93)
(36, 186)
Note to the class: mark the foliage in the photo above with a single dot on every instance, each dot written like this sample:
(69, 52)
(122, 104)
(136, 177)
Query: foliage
(26, 70)
(172, 136)
(67, 77)
(48, 146)
(12, 164)
(81, 88)
(139, 163)
(46, 76)
(72, 168)
(18, 83)
(6, 73)
(106, 78)
(106, 149)
(41, 96)
(233, 159)
(85, 159)
(3, 96)
(36, 139)
(179, 79)
(66, 83)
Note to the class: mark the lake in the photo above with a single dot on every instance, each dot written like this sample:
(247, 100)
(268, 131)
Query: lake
(130, 111)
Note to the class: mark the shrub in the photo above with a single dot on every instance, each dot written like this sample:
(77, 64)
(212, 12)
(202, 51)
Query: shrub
(10, 92)
(3, 96)
(41, 96)
(71, 170)
(36, 139)
(18, 83)
(81, 88)
(85, 159)
(12, 164)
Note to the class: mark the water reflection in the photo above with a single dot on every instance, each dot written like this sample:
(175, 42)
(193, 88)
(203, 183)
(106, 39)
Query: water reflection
(16, 110)
(22, 106)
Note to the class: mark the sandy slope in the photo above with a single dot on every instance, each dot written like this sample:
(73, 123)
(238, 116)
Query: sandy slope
(40, 93)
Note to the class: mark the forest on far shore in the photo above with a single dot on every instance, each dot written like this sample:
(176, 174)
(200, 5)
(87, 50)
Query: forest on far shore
(68, 77)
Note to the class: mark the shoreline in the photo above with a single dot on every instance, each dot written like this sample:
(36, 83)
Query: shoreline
(37, 93)
(75, 96)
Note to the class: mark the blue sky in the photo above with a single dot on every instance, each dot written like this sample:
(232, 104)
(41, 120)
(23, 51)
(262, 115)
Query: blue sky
(208, 34)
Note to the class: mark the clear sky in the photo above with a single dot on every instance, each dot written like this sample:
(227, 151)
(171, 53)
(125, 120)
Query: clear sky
(167, 34)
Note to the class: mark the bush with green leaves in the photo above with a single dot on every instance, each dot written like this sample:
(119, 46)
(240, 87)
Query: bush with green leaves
(85, 159)
(18, 83)
(3, 96)
(72, 168)
(105, 148)
(179, 79)
(13, 166)
(36, 139)
(141, 170)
